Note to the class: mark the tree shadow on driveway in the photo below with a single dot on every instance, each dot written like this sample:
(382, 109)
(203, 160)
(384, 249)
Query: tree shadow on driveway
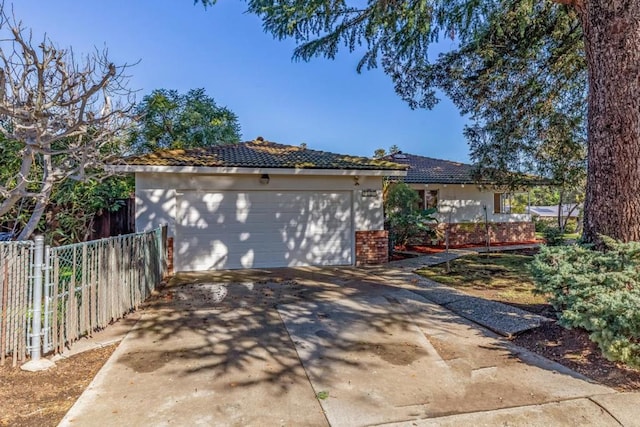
(280, 341)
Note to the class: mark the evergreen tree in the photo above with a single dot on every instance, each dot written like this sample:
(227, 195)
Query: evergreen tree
(569, 48)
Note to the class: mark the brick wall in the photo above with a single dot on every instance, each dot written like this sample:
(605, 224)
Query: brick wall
(170, 256)
(372, 247)
(499, 232)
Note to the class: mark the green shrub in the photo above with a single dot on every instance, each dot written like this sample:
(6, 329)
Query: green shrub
(597, 291)
(571, 226)
(540, 224)
(402, 216)
(553, 236)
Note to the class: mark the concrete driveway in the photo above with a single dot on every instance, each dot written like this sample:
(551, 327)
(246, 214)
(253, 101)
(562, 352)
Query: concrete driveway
(328, 346)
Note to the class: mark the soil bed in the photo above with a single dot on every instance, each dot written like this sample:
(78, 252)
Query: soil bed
(42, 398)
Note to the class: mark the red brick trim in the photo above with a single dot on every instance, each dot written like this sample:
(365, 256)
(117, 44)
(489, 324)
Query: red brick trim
(372, 247)
(170, 256)
(499, 232)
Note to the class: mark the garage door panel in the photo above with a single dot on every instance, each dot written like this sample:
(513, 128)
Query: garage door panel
(263, 229)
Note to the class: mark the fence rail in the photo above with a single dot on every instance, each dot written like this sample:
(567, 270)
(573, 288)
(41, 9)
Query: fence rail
(86, 287)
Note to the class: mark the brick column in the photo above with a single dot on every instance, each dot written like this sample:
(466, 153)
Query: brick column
(372, 247)
(170, 256)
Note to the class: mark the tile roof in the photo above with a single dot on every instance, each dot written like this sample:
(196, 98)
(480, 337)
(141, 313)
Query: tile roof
(426, 170)
(259, 154)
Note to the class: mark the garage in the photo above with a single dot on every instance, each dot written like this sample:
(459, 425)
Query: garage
(260, 204)
(258, 229)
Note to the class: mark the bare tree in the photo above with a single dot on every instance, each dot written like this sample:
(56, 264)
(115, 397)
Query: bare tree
(66, 114)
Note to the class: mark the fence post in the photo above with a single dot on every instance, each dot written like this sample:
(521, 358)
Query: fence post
(36, 363)
(46, 344)
(36, 320)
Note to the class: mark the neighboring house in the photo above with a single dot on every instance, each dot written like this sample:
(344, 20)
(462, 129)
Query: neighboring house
(463, 204)
(260, 204)
(551, 212)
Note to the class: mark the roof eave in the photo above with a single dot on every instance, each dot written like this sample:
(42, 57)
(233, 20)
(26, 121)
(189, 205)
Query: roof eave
(254, 170)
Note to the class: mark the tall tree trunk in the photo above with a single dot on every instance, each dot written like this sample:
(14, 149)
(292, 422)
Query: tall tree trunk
(612, 41)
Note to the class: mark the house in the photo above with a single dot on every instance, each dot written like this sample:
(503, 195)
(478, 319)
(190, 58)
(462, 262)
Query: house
(463, 203)
(261, 204)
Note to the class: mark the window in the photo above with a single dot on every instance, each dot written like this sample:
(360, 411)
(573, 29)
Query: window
(501, 203)
(428, 199)
(497, 203)
(431, 199)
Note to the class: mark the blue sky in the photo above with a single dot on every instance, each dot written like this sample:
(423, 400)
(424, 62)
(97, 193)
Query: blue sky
(323, 103)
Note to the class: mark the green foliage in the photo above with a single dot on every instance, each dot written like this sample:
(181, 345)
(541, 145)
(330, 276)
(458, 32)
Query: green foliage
(379, 153)
(322, 395)
(540, 224)
(553, 235)
(169, 119)
(72, 204)
(521, 77)
(518, 70)
(403, 217)
(597, 291)
(72, 207)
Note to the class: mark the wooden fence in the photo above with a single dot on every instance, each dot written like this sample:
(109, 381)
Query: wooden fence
(86, 287)
(122, 221)
(16, 259)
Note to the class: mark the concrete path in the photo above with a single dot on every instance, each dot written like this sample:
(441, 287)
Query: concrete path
(501, 318)
(328, 346)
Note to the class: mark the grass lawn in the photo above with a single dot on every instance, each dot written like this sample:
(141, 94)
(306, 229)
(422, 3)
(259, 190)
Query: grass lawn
(566, 236)
(500, 277)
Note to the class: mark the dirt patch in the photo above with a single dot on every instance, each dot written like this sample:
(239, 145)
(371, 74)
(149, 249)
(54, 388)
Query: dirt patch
(573, 349)
(42, 398)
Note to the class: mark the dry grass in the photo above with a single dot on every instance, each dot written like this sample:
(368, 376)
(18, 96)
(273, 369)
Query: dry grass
(498, 276)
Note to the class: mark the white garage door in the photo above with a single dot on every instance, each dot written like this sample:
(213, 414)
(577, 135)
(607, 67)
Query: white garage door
(231, 229)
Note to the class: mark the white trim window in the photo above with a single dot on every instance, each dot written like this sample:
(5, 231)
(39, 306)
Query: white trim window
(428, 199)
(501, 203)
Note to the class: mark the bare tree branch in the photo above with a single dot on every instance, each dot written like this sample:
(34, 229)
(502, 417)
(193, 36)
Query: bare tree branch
(66, 114)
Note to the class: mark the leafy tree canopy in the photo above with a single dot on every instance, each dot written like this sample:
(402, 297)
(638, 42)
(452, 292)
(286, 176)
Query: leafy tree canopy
(518, 70)
(169, 119)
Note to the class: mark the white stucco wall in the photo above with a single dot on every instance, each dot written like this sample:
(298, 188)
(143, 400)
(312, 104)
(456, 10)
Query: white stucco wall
(156, 194)
(464, 203)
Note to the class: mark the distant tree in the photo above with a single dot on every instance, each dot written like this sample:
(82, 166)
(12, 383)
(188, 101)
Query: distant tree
(61, 118)
(550, 38)
(379, 153)
(169, 119)
(394, 149)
